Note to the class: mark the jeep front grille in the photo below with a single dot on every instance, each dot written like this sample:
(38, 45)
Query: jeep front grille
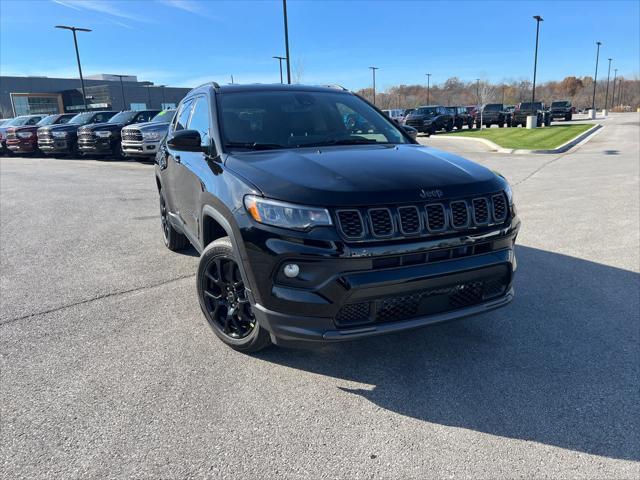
(363, 224)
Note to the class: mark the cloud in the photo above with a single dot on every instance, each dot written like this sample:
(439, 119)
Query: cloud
(101, 6)
(190, 6)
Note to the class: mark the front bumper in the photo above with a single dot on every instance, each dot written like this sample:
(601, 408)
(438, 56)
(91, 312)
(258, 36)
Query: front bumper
(358, 292)
(55, 146)
(17, 145)
(144, 148)
(96, 146)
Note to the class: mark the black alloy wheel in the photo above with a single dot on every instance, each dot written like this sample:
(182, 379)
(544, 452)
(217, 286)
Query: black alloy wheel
(225, 298)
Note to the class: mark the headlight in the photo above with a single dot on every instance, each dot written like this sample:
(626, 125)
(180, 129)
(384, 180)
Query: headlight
(151, 135)
(25, 134)
(59, 134)
(103, 134)
(509, 193)
(285, 215)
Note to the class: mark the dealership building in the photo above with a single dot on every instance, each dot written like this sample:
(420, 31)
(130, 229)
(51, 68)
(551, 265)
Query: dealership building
(31, 95)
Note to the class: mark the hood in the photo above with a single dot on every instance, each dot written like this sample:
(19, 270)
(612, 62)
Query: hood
(64, 127)
(149, 126)
(362, 175)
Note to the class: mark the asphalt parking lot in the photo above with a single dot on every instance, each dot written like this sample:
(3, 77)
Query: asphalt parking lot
(108, 369)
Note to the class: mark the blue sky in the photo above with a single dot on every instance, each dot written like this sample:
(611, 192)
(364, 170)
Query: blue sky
(184, 43)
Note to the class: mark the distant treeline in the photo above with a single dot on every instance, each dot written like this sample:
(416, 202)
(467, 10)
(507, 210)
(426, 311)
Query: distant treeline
(457, 92)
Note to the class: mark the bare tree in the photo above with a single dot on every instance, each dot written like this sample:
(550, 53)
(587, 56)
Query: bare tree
(486, 94)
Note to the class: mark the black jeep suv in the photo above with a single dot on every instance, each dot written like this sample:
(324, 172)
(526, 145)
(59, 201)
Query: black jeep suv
(104, 139)
(525, 109)
(63, 139)
(312, 230)
(461, 117)
(493, 114)
(430, 119)
(561, 109)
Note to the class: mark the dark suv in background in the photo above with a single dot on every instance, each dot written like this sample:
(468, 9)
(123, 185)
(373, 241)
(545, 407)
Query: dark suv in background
(561, 109)
(493, 114)
(430, 119)
(312, 230)
(525, 109)
(62, 139)
(461, 117)
(104, 139)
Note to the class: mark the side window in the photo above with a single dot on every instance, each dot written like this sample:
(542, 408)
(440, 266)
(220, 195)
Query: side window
(143, 117)
(100, 118)
(33, 121)
(200, 119)
(180, 122)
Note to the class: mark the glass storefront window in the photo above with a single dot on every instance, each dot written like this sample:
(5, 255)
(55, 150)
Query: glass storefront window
(138, 106)
(33, 104)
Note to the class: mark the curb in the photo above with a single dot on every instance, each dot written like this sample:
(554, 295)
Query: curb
(580, 139)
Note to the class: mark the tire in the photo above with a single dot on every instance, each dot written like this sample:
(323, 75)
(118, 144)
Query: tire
(470, 124)
(173, 240)
(449, 126)
(568, 117)
(227, 310)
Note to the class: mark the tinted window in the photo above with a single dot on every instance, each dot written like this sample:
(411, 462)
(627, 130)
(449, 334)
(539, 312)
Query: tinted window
(493, 107)
(103, 117)
(560, 104)
(183, 116)
(33, 121)
(48, 120)
(144, 117)
(426, 111)
(200, 119)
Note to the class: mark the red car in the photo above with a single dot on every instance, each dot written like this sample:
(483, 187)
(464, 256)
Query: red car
(24, 139)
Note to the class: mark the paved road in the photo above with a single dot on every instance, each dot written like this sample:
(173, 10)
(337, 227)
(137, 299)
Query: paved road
(108, 368)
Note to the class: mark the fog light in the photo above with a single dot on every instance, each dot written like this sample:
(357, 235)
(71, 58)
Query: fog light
(291, 270)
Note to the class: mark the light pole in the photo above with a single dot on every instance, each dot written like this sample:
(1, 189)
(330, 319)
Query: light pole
(595, 78)
(613, 94)
(280, 60)
(428, 86)
(373, 70)
(503, 87)
(606, 96)
(124, 101)
(538, 19)
(75, 43)
(478, 112)
(286, 40)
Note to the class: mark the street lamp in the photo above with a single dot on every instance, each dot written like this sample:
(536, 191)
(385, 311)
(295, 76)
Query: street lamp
(373, 70)
(75, 43)
(124, 102)
(613, 94)
(286, 40)
(280, 60)
(478, 111)
(428, 86)
(595, 78)
(606, 96)
(538, 19)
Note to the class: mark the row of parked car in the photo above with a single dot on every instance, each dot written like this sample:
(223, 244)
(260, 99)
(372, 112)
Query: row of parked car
(432, 118)
(128, 133)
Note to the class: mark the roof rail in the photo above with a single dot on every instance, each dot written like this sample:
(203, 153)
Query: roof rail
(335, 85)
(214, 84)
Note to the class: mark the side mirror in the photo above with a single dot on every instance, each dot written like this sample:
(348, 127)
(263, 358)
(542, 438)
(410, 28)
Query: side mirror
(186, 141)
(412, 132)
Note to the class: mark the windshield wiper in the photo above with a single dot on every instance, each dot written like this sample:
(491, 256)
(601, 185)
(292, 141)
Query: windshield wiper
(254, 145)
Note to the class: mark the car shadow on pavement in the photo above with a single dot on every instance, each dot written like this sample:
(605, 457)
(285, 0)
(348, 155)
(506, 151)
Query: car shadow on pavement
(558, 366)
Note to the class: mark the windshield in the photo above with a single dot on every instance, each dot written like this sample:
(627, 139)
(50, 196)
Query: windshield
(81, 118)
(48, 120)
(18, 121)
(291, 119)
(122, 117)
(493, 107)
(560, 104)
(425, 111)
(527, 106)
(163, 117)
